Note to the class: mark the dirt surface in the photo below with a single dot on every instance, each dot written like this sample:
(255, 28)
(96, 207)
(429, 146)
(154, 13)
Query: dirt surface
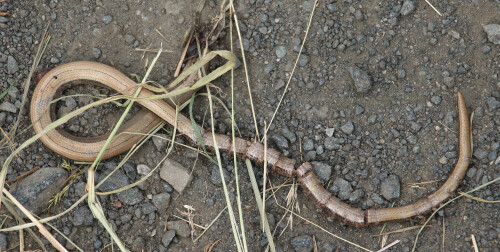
(394, 129)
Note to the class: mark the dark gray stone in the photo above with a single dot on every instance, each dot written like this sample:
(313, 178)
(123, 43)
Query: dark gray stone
(492, 103)
(302, 243)
(342, 187)
(361, 79)
(83, 217)
(493, 31)
(390, 187)
(303, 60)
(308, 144)
(280, 141)
(148, 208)
(8, 107)
(216, 178)
(356, 196)
(12, 67)
(35, 191)
(407, 8)
(3, 242)
(161, 201)
(180, 227)
(289, 135)
(322, 171)
(347, 128)
(160, 141)
(167, 238)
(131, 196)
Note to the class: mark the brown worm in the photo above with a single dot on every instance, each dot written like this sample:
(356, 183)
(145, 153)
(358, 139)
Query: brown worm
(86, 149)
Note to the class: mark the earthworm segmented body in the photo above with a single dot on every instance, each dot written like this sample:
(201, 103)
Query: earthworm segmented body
(86, 149)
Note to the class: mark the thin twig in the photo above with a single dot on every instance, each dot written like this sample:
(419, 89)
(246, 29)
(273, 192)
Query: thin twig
(439, 13)
(474, 243)
(294, 66)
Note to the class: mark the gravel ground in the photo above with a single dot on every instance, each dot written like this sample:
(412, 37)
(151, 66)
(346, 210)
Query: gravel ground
(372, 104)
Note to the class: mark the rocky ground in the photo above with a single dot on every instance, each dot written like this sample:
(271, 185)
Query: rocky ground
(372, 104)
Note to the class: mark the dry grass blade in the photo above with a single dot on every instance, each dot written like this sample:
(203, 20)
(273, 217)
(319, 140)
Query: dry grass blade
(324, 230)
(236, 233)
(19, 219)
(474, 243)
(233, 136)
(235, 17)
(401, 230)
(256, 193)
(40, 227)
(264, 179)
(209, 225)
(439, 13)
(41, 49)
(294, 66)
(448, 202)
(209, 247)
(388, 246)
(478, 199)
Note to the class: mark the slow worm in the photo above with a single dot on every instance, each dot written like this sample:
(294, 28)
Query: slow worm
(86, 149)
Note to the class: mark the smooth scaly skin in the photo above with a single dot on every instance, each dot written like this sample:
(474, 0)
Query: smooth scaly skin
(86, 149)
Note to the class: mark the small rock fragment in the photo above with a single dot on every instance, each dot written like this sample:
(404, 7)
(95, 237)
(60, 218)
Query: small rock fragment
(181, 228)
(302, 243)
(493, 31)
(9, 107)
(167, 238)
(347, 128)
(160, 141)
(329, 132)
(303, 60)
(161, 201)
(35, 191)
(322, 171)
(143, 169)
(342, 187)
(83, 217)
(216, 178)
(118, 180)
(407, 8)
(175, 174)
(280, 141)
(12, 67)
(390, 187)
(361, 79)
(280, 52)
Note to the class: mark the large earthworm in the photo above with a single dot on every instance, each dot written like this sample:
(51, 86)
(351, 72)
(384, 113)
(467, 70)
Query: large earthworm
(83, 149)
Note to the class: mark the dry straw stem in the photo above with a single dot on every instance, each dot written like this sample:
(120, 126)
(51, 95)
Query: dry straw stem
(233, 132)
(19, 219)
(93, 203)
(323, 229)
(294, 66)
(233, 10)
(236, 233)
(439, 13)
(38, 56)
(474, 243)
(448, 202)
(260, 206)
(40, 227)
